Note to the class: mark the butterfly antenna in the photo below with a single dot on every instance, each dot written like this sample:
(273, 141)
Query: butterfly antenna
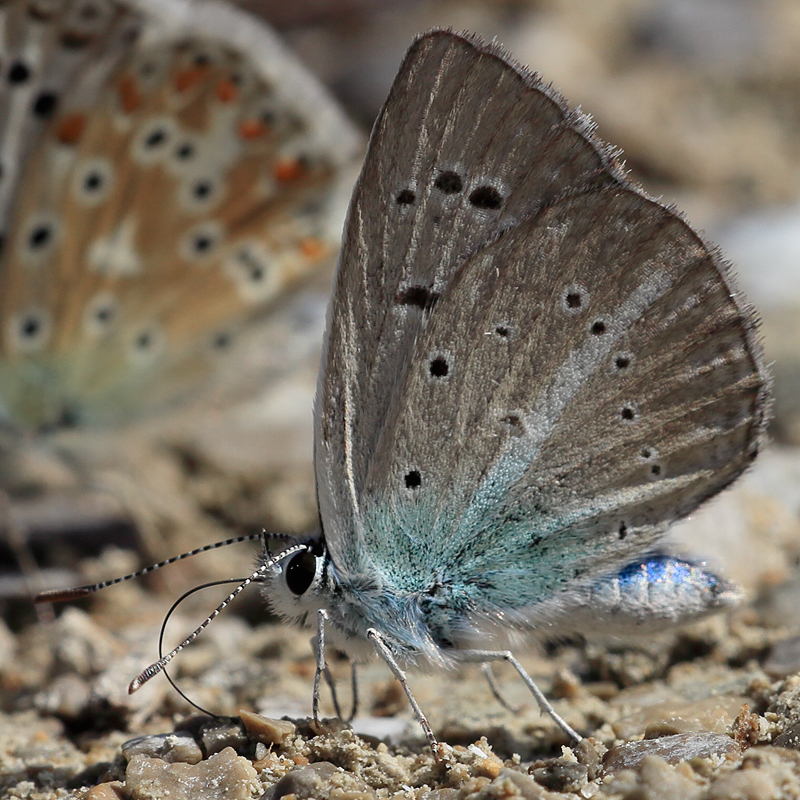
(61, 595)
(162, 662)
(164, 630)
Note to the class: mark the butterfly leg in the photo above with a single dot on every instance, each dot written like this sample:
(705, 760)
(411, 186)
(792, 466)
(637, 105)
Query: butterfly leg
(486, 668)
(334, 696)
(484, 656)
(322, 667)
(386, 654)
(354, 690)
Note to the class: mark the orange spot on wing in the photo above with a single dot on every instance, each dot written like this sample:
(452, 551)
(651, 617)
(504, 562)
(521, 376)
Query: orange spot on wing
(70, 128)
(289, 170)
(129, 95)
(312, 248)
(252, 128)
(227, 91)
(190, 77)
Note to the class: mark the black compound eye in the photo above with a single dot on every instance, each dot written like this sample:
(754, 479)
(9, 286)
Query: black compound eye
(300, 572)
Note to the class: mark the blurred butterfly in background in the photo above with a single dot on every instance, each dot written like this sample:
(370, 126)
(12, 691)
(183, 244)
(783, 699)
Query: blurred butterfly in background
(167, 172)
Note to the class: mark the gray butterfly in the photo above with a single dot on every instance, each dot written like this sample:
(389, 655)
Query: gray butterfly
(531, 370)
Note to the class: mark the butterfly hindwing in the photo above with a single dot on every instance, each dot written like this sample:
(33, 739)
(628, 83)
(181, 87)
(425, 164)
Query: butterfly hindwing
(178, 191)
(584, 381)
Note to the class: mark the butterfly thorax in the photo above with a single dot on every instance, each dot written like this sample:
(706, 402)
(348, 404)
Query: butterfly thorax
(422, 626)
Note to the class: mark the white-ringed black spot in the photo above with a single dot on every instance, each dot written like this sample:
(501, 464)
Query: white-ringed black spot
(45, 104)
(155, 138)
(18, 73)
(185, 151)
(40, 236)
(30, 329)
(93, 181)
(622, 531)
(104, 315)
(144, 341)
(405, 197)
(574, 300)
(221, 340)
(419, 296)
(439, 368)
(202, 189)
(449, 182)
(628, 412)
(503, 331)
(622, 361)
(486, 197)
(413, 479)
(202, 244)
(598, 327)
(655, 470)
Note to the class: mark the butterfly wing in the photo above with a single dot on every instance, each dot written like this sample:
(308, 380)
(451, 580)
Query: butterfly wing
(466, 146)
(577, 383)
(180, 189)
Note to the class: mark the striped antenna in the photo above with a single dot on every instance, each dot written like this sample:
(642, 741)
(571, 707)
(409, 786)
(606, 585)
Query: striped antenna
(60, 595)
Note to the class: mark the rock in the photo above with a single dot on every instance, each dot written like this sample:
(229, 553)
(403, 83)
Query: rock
(672, 749)
(223, 776)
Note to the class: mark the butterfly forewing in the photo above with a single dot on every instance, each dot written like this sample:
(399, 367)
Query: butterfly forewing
(572, 387)
(491, 144)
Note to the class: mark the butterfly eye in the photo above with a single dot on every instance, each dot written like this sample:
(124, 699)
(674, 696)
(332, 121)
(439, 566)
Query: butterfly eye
(29, 330)
(92, 181)
(300, 572)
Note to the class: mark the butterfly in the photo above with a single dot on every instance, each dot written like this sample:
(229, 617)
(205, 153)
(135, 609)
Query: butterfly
(531, 369)
(169, 178)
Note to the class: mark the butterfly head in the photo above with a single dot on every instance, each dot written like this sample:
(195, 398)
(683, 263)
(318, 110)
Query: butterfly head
(299, 584)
